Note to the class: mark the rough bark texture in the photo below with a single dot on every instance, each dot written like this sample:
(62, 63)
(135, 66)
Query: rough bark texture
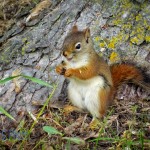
(120, 31)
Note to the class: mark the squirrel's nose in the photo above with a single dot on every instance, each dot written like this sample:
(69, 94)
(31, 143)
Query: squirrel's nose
(64, 53)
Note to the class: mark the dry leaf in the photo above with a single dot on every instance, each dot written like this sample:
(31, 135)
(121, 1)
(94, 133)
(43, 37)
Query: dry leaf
(39, 7)
(17, 80)
(23, 2)
(94, 124)
(36, 103)
(47, 116)
(68, 109)
(131, 123)
(146, 109)
(112, 119)
(37, 67)
(92, 135)
(56, 105)
(77, 124)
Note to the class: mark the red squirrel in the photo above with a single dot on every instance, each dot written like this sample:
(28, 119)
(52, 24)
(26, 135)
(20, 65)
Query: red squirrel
(93, 82)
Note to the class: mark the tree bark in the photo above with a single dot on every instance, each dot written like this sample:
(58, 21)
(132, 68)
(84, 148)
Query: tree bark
(120, 31)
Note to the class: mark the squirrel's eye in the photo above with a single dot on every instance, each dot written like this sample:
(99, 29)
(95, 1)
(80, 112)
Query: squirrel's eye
(78, 46)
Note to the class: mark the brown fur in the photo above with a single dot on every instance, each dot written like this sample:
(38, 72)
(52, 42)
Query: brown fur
(104, 93)
(125, 73)
(113, 76)
(85, 72)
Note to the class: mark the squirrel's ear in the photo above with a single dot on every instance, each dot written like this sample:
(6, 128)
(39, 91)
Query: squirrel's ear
(87, 34)
(74, 29)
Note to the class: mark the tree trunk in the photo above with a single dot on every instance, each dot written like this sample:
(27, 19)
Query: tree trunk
(120, 31)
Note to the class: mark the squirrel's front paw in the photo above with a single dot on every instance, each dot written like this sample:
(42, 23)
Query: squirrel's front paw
(68, 73)
(60, 70)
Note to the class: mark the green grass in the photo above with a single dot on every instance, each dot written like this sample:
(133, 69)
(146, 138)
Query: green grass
(33, 79)
(6, 113)
(111, 134)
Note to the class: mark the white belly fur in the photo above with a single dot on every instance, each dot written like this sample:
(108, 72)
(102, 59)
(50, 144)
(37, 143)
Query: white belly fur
(85, 94)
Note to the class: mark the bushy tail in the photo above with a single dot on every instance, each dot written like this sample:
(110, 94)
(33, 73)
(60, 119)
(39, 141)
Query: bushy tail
(125, 73)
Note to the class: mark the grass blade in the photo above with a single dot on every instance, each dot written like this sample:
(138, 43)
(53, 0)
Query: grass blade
(6, 113)
(51, 130)
(33, 117)
(8, 79)
(36, 80)
(105, 139)
(39, 114)
(75, 140)
(33, 79)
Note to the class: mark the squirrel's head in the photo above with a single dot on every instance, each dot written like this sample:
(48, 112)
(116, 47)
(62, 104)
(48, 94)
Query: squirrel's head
(77, 43)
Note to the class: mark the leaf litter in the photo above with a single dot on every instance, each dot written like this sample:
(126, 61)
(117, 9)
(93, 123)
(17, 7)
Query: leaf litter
(127, 121)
